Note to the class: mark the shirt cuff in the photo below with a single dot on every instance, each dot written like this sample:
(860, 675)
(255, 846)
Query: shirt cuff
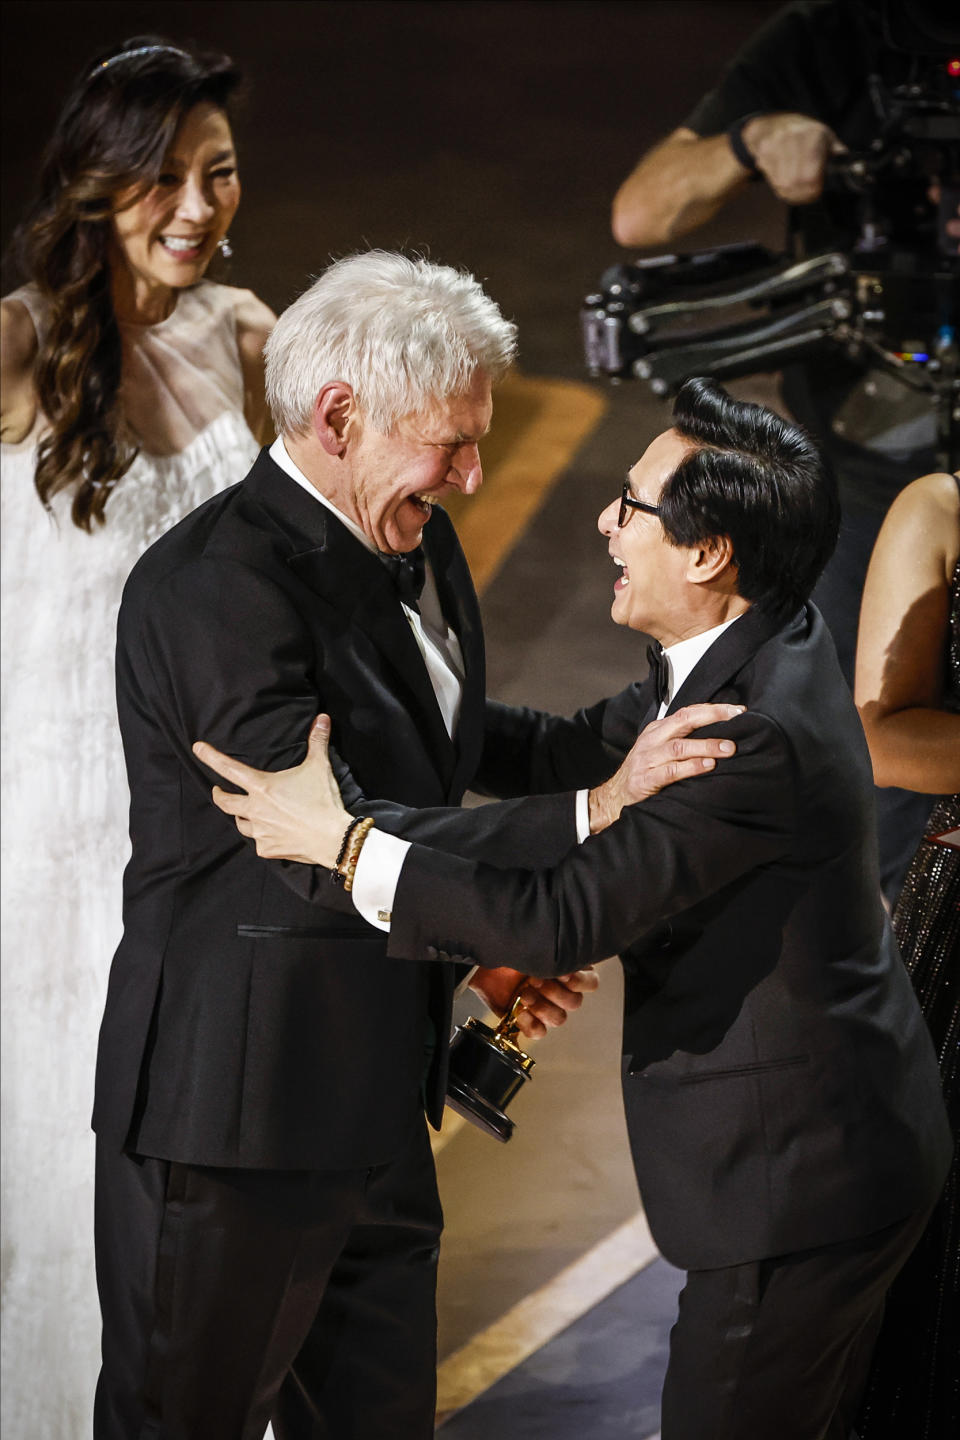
(583, 815)
(377, 876)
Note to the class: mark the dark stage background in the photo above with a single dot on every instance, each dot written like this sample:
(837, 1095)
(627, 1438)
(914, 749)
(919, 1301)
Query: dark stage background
(490, 135)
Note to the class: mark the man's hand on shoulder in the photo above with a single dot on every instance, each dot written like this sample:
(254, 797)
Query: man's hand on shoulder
(662, 754)
(791, 152)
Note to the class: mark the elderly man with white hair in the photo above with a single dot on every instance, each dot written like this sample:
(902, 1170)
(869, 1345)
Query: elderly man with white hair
(267, 1214)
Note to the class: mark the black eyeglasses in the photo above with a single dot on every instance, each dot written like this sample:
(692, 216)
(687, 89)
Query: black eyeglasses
(627, 502)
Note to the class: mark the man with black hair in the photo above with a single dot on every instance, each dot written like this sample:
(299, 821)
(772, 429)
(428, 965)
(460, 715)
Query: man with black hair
(798, 93)
(781, 1092)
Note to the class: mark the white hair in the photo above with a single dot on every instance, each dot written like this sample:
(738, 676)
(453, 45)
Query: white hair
(403, 334)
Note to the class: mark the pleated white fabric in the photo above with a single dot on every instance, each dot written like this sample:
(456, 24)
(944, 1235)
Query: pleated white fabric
(64, 828)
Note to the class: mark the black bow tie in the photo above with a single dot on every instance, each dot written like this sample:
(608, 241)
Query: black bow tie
(408, 573)
(659, 673)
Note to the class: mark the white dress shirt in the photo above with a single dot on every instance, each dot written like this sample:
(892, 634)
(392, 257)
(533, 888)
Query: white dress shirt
(381, 859)
(682, 657)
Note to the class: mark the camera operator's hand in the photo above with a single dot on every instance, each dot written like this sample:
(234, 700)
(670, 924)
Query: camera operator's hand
(681, 183)
(791, 152)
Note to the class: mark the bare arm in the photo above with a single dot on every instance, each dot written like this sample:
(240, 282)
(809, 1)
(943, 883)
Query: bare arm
(677, 186)
(255, 320)
(18, 351)
(681, 183)
(901, 647)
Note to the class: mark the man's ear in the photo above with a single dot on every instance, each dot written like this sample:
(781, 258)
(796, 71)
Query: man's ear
(335, 417)
(712, 561)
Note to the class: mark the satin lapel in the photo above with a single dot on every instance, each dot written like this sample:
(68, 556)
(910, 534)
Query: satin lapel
(461, 609)
(648, 711)
(726, 657)
(350, 579)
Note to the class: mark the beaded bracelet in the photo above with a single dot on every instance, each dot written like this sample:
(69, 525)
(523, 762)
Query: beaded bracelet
(346, 841)
(346, 867)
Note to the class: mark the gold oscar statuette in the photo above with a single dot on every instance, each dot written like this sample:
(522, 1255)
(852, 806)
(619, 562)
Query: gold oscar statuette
(487, 1068)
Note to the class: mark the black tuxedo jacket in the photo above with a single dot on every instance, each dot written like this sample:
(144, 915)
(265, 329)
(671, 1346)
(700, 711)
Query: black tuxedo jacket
(780, 1087)
(252, 1017)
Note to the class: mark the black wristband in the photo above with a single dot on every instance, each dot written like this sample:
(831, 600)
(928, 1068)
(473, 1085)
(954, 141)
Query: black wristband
(739, 147)
(336, 875)
(346, 841)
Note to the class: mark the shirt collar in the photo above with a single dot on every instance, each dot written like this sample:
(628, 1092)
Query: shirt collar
(279, 456)
(682, 657)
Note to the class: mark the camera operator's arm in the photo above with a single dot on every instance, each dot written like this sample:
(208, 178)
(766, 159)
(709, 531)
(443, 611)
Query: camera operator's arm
(682, 182)
(678, 185)
(788, 92)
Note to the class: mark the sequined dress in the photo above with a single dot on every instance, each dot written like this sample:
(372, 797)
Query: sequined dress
(914, 1387)
(65, 842)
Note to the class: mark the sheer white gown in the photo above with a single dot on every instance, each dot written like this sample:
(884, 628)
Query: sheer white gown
(64, 835)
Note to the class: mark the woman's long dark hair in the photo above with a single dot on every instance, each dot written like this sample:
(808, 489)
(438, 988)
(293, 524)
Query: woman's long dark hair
(112, 135)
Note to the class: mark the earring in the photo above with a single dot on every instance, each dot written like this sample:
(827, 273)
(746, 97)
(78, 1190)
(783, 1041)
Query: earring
(225, 248)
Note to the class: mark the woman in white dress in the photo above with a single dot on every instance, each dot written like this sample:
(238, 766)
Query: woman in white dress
(132, 391)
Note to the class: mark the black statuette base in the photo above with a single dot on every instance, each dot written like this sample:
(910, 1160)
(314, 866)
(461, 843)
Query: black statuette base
(486, 1071)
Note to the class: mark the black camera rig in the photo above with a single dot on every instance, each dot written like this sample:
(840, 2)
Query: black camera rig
(890, 302)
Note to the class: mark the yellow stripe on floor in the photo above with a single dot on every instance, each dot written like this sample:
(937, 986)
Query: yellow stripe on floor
(537, 1318)
(538, 426)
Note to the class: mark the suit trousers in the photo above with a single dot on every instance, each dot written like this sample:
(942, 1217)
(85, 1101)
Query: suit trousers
(779, 1349)
(233, 1297)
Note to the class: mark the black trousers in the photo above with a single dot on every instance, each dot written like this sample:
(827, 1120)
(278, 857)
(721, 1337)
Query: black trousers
(233, 1297)
(779, 1349)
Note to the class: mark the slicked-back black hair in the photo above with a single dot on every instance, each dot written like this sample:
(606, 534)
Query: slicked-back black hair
(760, 481)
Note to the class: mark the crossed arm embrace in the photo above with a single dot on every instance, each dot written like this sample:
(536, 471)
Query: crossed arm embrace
(298, 814)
